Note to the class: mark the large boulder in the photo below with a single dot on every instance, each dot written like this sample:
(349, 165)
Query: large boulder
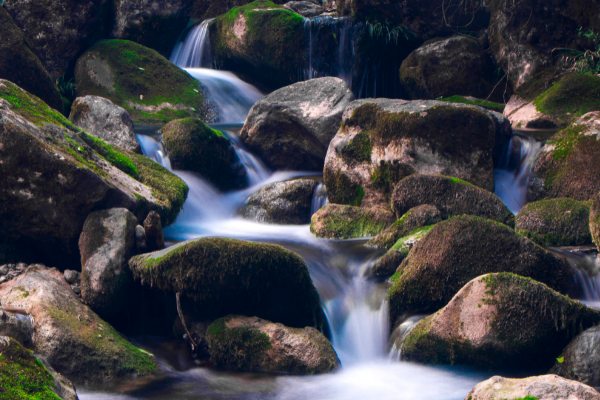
(545, 387)
(253, 344)
(445, 67)
(140, 80)
(460, 249)
(106, 244)
(194, 146)
(71, 337)
(500, 320)
(101, 118)
(555, 222)
(21, 66)
(54, 175)
(382, 141)
(449, 195)
(292, 127)
(569, 162)
(223, 276)
(286, 202)
(336, 221)
(580, 360)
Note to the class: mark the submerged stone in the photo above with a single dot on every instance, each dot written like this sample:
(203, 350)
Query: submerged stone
(336, 221)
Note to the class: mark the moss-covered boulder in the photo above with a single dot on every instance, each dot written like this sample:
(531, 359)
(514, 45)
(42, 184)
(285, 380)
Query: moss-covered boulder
(449, 195)
(460, 249)
(595, 221)
(263, 40)
(445, 67)
(23, 376)
(20, 65)
(569, 163)
(194, 146)
(223, 276)
(382, 141)
(500, 320)
(336, 221)
(555, 222)
(580, 360)
(417, 217)
(205, 9)
(488, 105)
(72, 338)
(140, 80)
(252, 344)
(282, 203)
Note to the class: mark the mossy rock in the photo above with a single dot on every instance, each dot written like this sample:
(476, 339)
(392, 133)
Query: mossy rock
(263, 40)
(500, 320)
(223, 276)
(194, 146)
(140, 80)
(488, 105)
(252, 344)
(336, 221)
(460, 249)
(555, 222)
(595, 221)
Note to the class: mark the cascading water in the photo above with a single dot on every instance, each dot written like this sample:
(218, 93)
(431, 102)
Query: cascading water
(319, 198)
(194, 51)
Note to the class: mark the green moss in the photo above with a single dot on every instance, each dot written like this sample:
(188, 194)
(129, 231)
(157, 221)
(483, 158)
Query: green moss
(345, 222)
(341, 189)
(416, 234)
(538, 84)
(117, 159)
(388, 174)
(358, 149)
(498, 107)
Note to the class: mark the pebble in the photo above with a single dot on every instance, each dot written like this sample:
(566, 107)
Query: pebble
(71, 276)
(76, 290)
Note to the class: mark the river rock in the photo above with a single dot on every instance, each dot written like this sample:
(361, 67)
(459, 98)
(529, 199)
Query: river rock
(24, 374)
(382, 141)
(336, 221)
(307, 9)
(451, 196)
(101, 118)
(500, 320)
(72, 276)
(155, 239)
(445, 67)
(194, 146)
(291, 128)
(417, 217)
(149, 87)
(253, 344)
(460, 249)
(581, 358)
(569, 162)
(68, 334)
(106, 244)
(284, 203)
(223, 276)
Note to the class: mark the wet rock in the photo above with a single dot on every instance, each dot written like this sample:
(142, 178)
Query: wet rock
(581, 358)
(451, 196)
(102, 119)
(382, 141)
(155, 239)
(72, 276)
(253, 344)
(417, 217)
(106, 244)
(222, 276)
(345, 222)
(445, 67)
(194, 146)
(500, 320)
(17, 326)
(68, 334)
(307, 9)
(291, 128)
(140, 239)
(282, 203)
(568, 164)
(460, 249)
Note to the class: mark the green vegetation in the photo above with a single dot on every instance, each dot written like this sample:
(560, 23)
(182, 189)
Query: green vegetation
(345, 222)
(387, 32)
(341, 189)
(498, 107)
(358, 149)
(107, 151)
(388, 174)
(587, 61)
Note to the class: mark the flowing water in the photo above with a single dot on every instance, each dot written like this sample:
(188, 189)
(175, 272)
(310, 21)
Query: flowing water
(194, 51)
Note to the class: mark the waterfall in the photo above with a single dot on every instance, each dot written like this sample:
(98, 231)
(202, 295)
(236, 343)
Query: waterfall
(194, 51)
(154, 150)
(401, 333)
(319, 199)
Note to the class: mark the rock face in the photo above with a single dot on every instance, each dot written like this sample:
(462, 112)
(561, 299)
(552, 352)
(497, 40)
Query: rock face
(23, 374)
(193, 146)
(102, 119)
(21, 66)
(501, 320)
(144, 83)
(71, 337)
(155, 239)
(581, 358)
(282, 203)
(253, 344)
(307, 9)
(106, 244)
(555, 222)
(224, 276)
(545, 387)
(382, 141)
(568, 163)
(449, 195)
(446, 67)
(460, 249)
(336, 221)
(291, 128)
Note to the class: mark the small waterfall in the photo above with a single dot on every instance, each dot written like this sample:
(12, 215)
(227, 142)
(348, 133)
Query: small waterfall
(154, 150)
(194, 51)
(319, 199)
(401, 333)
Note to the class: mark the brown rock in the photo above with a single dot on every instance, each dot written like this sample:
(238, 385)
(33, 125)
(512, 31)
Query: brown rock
(155, 239)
